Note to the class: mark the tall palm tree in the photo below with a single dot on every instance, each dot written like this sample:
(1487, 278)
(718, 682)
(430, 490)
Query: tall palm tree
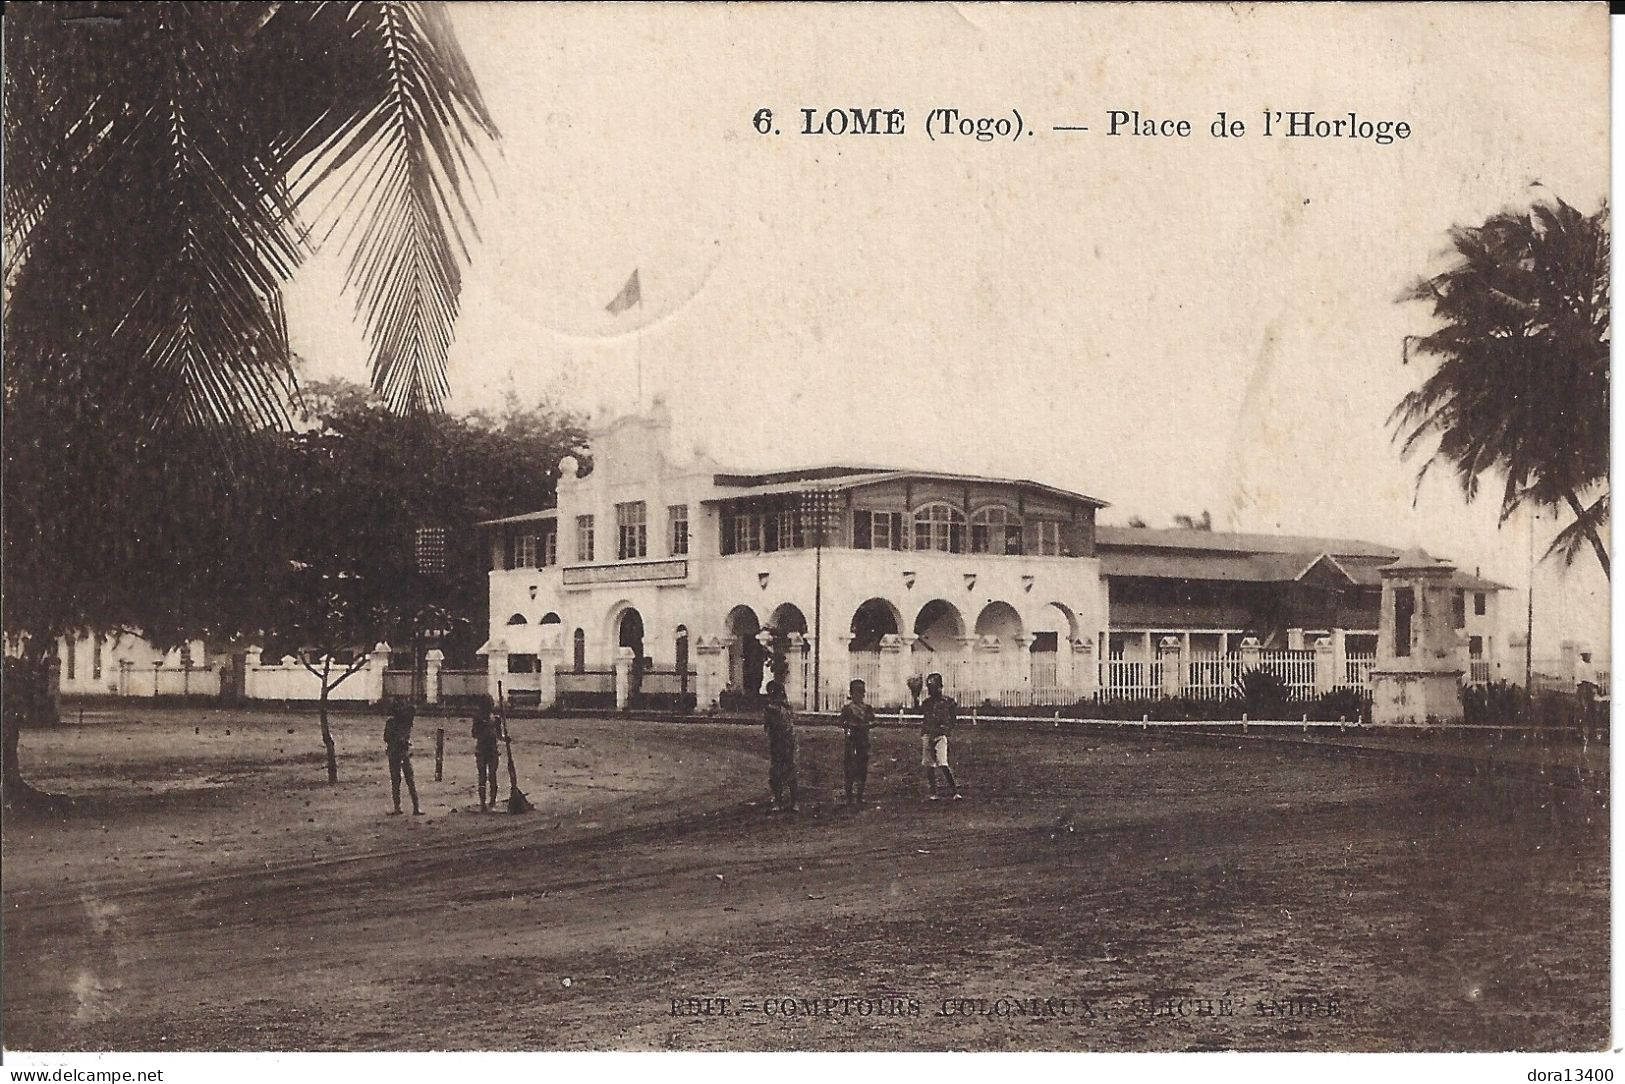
(1521, 388)
(168, 166)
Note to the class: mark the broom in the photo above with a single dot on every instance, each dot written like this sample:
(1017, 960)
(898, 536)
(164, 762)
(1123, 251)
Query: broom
(517, 802)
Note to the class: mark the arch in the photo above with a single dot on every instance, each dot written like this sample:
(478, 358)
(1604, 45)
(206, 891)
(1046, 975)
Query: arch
(745, 653)
(999, 619)
(518, 619)
(787, 618)
(873, 619)
(938, 622)
(939, 526)
(1058, 619)
(551, 619)
(629, 631)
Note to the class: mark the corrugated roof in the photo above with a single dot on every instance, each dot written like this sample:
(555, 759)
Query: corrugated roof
(1225, 541)
(844, 478)
(1162, 563)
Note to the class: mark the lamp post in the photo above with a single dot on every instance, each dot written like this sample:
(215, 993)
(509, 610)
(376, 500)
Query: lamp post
(817, 502)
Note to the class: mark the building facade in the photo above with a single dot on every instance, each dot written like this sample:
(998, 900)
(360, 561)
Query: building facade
(675, 578)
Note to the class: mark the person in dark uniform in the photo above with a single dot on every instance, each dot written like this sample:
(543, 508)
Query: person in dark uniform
(487, 732)
(780, 722)
(857, 719)
(398, 744)
(940, 714)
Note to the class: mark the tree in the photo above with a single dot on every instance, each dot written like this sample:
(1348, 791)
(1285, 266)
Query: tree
(159, 158)
(347, 572)
(1204, 522)
(1521, 388)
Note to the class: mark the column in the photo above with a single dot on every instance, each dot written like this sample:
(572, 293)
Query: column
(1250, 652)
(1326, 673)
(987, 668)
(963, 673)
(1085, 679)
(251, 670)
(1340, 656)
(1018, 664)
(623, 678)
(770, 661)
(795, 681)
(433, 661)
(892, 677)
(1171, 655)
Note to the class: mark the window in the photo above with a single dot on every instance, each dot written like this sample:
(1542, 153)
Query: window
(521, 664)
(1478, 603)
(632, 530)
(73, 657)
(583, 538)
(877, 530)
(1458, 608)
(677, 516)
(524, 554)
(1404, 610)
(1475, 647)
(550, 545)
(578, 651)
(741, 533)
(782, 530)
(1046, 538)
(995, 530)
(939, 527)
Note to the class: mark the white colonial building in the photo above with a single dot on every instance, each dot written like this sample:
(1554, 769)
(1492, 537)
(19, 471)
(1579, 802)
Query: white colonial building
(700, 581)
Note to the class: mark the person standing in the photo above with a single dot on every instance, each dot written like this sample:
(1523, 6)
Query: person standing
(398, 744)
(940, 714)
(487, 733)
(857, 719)
(780, 723)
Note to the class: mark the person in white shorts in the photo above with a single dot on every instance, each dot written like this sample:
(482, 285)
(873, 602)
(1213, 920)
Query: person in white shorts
(940, 714)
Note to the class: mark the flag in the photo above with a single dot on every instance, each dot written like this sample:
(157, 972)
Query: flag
(631, 294)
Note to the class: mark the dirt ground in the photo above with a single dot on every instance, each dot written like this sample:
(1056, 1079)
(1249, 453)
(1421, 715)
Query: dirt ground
(1093, 892)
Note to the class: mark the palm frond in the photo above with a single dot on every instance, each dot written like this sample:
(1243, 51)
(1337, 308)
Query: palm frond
(395, 138)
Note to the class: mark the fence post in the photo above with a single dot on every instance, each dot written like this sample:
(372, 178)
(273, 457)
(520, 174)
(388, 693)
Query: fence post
(439, 752)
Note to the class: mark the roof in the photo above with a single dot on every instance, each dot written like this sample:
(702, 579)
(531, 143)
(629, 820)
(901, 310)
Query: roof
(1184, 538)
(838, 478)
(523, 517)
(1185, 554)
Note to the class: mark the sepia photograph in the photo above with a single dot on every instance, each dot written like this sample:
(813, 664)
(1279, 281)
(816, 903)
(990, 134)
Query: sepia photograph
(824, 527)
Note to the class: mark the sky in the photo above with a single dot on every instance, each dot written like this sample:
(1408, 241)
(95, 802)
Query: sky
(1170, 325)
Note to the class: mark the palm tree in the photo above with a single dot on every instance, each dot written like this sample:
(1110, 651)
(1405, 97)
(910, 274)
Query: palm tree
(1521, 389)
(168, 166)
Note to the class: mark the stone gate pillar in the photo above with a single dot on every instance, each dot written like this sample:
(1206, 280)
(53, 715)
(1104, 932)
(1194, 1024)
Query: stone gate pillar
(623, 678)
(1171, 654)
(1326, 674)
(710, 670)
(433, 662)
